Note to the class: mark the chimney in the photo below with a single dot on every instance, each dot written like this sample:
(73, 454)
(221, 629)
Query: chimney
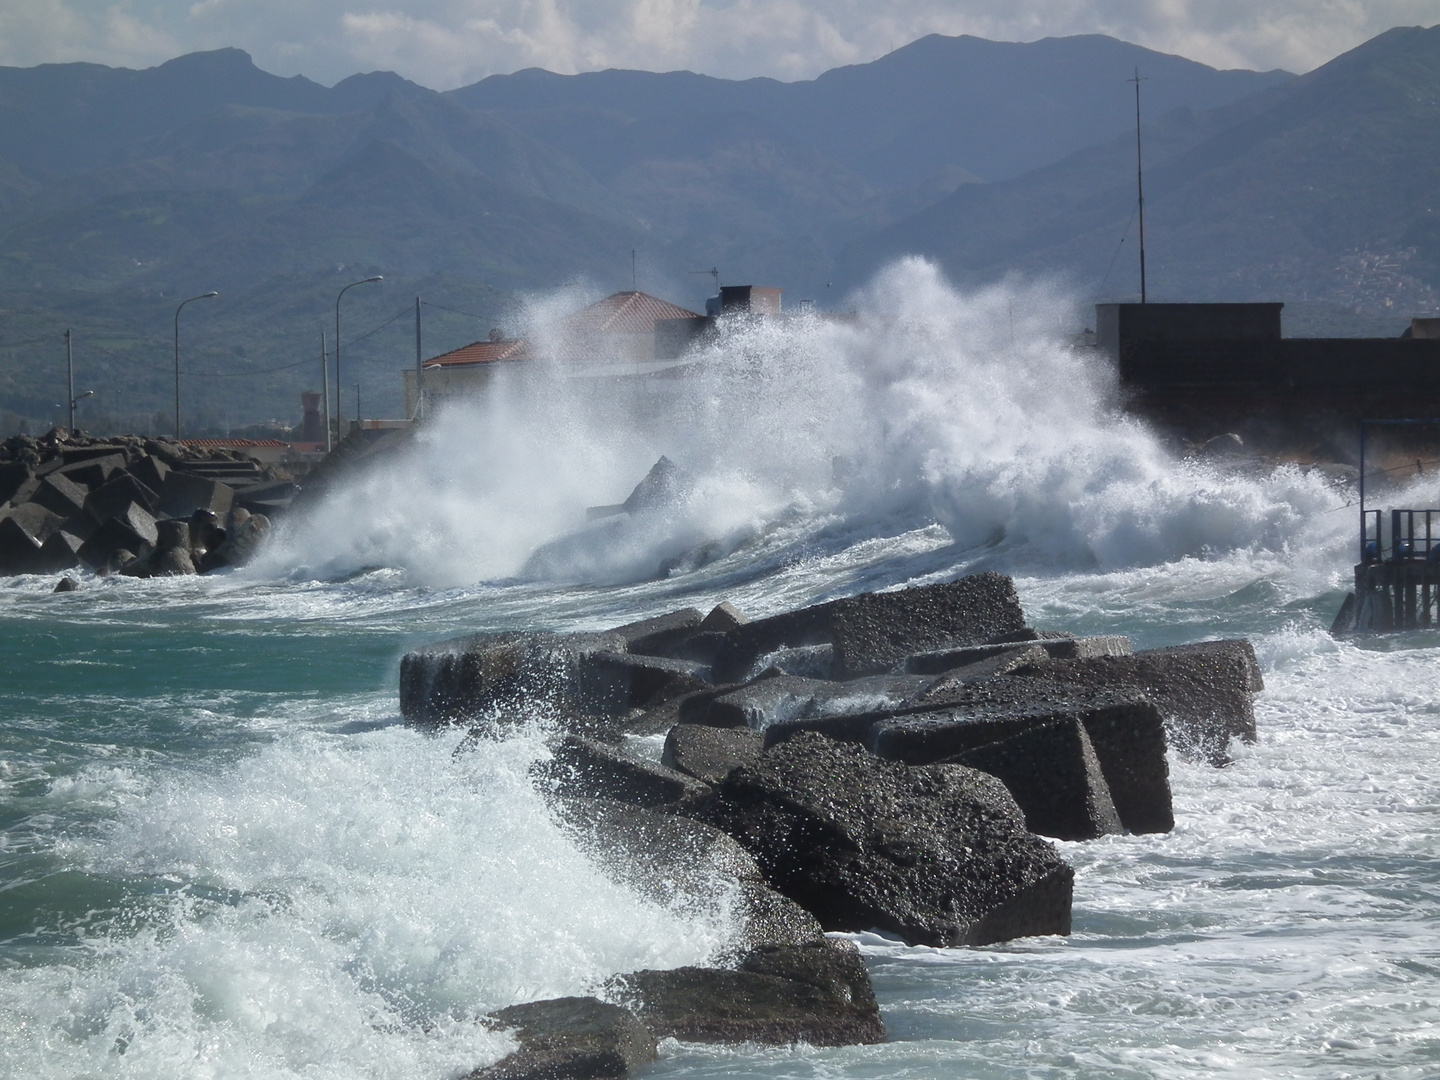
(311, 430)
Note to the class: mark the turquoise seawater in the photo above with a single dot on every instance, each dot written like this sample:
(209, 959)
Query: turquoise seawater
(223, 856)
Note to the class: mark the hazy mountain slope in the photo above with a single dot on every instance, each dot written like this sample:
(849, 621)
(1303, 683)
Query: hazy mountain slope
(1316, 190)
(995, 109)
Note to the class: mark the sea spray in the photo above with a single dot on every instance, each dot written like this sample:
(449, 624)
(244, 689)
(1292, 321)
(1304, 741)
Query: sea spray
(333, 905)
(929, 404)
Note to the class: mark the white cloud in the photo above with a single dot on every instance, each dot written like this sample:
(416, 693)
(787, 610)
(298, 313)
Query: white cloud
(446, 43)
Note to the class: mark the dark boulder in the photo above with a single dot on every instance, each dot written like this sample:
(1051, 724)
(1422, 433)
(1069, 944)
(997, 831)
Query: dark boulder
(22, 530)
(112, 498)
(60, 495)
(502, 676)
(938, 855)
(571, 1038)
(184, 493)
(14, 475)
(818, 994)
(709, 753)
(131, 527)
(150, 471)
(587, 768)
(1205, 691)
(784, 698)
(688, 866)
(93, 471)
(664, 486)
(649, 636)
(1125, 728)
(66, 584)
(615, 681)
(872, 632)
(60, 551)
(1052, 771)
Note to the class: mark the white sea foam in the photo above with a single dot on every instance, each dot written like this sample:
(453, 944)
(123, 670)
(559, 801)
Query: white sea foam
(931, 404)
(334, 906)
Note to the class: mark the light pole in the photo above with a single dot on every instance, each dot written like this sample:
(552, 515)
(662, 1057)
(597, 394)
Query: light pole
(339, 408)
(202, 296)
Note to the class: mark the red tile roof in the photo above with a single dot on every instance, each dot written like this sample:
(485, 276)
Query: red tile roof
(232, 443)
(481, 352)
(623, 313)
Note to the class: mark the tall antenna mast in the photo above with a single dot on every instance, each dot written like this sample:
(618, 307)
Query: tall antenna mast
(1139, 182)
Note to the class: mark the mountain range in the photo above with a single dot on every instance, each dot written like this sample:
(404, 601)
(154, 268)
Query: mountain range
(124, 192)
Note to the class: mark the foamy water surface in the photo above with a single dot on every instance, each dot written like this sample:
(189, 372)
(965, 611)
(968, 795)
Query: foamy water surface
(223, 856)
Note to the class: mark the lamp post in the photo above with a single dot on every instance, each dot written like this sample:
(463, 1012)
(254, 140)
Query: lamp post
(202, 296)
(339, 408)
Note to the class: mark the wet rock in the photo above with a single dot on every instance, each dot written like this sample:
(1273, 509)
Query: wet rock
(61, 551)
(782, 698)
(22, 530)
(1052, 771)
(664, 486)
(970, 665)
(1058, 648)
(67, 584)
(806, 661)
(93, 471)
(709, 753)
(818, 994)
(571, 1038)
(938, 855)
(723, 616)
(206, 534)
(872, 632)
(500, 676)
(243, 539)
(59, 494)
(116, 495)
(587, 768)
(14, 475)
(614, 681)
(131, 528)
(1205, 691)
(650, 636)
(688, 866)
(184, 493)
(150, 471)
(1125, 728)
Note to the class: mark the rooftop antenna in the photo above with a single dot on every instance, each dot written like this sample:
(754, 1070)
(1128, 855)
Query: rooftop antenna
(1139, 182)
(713, 272)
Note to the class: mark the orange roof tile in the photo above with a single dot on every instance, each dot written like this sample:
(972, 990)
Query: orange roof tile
(623, 313)
(481, 352)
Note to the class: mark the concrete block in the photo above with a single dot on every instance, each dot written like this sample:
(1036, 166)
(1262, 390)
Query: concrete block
(613, 682)
(1204, 690)
(59, 494)
(150, 471)
(586, 768)
(818, 994)
(184, 493)
(873, 632)
(1052, 771)
(116, 494)
(938, 855)
(500, 676)
(14, 475)
(92, 472)
(710, 753)
(572, 1038)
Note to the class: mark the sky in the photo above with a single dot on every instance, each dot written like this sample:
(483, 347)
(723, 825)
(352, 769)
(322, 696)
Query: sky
(447, 43)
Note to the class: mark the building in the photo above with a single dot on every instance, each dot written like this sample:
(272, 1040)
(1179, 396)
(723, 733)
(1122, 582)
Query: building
(612, 339)
(1203, 368)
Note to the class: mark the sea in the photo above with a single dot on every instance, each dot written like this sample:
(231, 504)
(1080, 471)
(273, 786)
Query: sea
(223, 855)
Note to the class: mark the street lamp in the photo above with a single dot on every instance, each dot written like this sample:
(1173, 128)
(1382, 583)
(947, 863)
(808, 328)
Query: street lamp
(339, 408)
(202, 296)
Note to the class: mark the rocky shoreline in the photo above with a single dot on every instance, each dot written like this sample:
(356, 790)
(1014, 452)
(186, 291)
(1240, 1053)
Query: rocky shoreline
(131, 505)
(893, 761)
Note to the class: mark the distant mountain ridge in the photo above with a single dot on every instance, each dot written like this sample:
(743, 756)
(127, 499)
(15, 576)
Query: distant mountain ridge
(121, 191)
(1326, 188)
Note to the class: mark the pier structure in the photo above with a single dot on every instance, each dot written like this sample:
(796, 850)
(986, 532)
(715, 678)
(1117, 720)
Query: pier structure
(1397, 580)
